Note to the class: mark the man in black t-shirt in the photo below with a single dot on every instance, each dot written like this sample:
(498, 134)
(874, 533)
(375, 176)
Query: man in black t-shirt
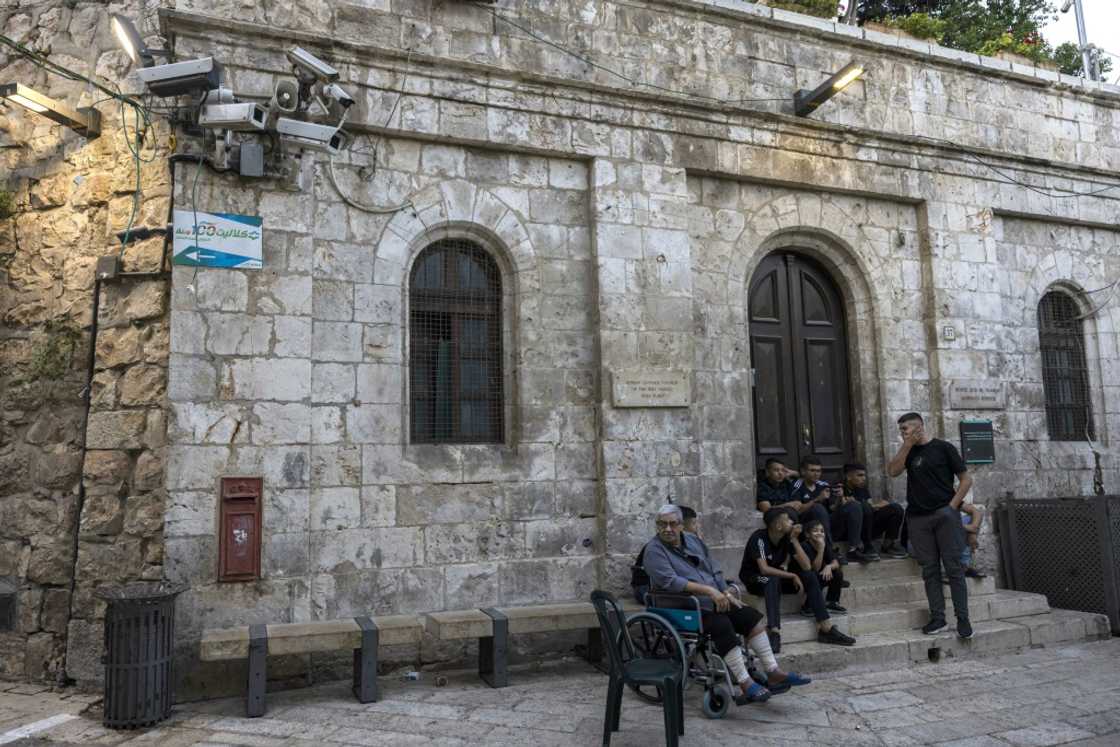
(932, 516)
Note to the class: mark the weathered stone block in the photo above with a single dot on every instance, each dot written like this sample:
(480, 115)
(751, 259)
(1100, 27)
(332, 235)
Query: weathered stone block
(266, 378)
(276, 423)
(446, 504)
(115, 430)
(143, 385)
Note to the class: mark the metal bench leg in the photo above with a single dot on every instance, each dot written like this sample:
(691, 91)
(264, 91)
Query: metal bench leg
(258, 676)
(365, 662)
(493, 651)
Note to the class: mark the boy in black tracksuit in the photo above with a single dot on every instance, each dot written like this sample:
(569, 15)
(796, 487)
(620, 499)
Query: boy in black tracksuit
(764, 573)
(823, 562)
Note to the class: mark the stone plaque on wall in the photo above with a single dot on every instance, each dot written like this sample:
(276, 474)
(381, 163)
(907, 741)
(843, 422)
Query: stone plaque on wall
(651, 388)
(977, 395)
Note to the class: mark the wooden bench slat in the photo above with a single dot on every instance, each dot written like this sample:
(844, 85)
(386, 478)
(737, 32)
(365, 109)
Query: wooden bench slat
(224, 644)
(454, 625)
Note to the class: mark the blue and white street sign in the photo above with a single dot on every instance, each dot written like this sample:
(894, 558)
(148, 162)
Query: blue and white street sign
(219, 240)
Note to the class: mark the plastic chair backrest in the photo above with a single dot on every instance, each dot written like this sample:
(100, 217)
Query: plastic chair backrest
(612, 624)
(686, 621)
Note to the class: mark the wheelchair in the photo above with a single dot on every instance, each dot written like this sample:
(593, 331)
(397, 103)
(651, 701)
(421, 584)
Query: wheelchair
(671, 627)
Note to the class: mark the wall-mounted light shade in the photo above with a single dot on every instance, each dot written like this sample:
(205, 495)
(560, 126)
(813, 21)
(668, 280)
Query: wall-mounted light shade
(128, 38)
(806, 102)
(86, 120)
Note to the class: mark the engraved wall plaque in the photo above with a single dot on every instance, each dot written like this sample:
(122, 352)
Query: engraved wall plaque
(651, 388)
(977, 395)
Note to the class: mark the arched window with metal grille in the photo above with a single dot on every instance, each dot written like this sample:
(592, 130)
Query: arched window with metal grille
(455, 345)
(1065, 375)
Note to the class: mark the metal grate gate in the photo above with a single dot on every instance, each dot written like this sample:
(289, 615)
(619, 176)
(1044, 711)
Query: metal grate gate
(1067, 549)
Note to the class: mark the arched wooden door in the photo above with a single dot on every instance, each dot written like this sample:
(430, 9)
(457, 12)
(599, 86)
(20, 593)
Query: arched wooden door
(799, 352)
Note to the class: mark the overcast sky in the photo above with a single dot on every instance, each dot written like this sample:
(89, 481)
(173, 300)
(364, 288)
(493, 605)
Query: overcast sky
(1102, 25)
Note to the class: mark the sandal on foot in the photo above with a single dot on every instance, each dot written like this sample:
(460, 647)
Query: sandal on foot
(755, 693)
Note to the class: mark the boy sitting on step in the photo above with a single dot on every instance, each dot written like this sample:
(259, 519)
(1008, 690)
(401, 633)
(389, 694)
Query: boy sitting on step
(971, 519)
(823, 562)
(764, 573)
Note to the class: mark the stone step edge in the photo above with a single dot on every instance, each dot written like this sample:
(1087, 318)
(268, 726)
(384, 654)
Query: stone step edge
(888, 649)
(799, 629)
(791, 603)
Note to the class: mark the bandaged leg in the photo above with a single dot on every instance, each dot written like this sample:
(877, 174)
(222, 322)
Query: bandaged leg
(736, 665)
(760, 644)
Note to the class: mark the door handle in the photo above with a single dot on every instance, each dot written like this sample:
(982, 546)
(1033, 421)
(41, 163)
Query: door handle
(806, 436)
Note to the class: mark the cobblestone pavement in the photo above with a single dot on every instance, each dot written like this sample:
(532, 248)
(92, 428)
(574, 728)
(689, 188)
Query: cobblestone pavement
(1041, 697)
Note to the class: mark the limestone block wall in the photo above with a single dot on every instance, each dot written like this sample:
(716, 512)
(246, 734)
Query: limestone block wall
(66, 441)
(297, 373)
(732, 54)
(896, 186)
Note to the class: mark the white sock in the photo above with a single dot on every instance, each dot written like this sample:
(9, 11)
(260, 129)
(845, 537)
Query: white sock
(760, 644)
(735, 663)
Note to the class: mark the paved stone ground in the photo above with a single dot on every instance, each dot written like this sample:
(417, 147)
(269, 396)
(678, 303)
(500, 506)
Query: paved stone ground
(1067, 695)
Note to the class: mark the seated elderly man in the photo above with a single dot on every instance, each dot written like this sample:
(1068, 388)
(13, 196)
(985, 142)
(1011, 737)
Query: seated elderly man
(679, 563)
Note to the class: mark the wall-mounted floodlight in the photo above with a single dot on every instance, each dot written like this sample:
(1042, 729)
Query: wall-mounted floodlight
(806, 102)
(86, 120)
(132, 43)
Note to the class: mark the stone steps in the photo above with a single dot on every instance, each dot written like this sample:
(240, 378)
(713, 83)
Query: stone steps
(870, 592)
(913, 614)
(891, 648)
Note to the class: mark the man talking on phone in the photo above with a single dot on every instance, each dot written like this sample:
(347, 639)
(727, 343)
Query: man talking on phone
(932, 517)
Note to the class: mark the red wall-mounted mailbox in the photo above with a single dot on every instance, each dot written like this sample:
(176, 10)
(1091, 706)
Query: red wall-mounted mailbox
(239, 541)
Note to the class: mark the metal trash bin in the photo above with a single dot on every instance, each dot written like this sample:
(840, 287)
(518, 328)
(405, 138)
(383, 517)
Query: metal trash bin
(139, 645)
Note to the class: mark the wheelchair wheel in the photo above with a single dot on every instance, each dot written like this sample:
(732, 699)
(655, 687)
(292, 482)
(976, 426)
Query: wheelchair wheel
(716, 701)
(655, 638)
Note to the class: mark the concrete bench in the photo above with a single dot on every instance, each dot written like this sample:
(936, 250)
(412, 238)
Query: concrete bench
(363, 635)
(492, 627)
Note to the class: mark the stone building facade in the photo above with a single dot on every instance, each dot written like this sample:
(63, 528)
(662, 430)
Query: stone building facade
(631, 170)
(628, 204)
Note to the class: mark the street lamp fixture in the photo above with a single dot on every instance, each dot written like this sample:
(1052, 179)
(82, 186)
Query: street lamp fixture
(806, 102)
(132, 43)
(84, 120)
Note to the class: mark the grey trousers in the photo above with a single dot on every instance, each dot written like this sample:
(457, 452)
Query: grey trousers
(937, 540)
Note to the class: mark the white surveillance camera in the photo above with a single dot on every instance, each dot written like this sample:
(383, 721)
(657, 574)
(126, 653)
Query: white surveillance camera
(338, 93)
(309, 66)
(178, 78)
(310, 136)
(245, 117)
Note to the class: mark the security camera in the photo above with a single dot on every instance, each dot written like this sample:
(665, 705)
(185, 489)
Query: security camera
(310, 136)
(178, 78)
(245, 117)
(338, 93)
(309, 66)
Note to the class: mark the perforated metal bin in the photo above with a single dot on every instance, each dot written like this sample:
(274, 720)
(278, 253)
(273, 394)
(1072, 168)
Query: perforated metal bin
(139, 645)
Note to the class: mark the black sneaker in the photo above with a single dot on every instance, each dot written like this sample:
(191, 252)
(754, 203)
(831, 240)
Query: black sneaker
(807, 612)
(964, 629)
(835, 637)
(842, 557)
(858, 556)
(776, 640)
(871, 554)
(845, 584)
(835, 607)
(973, 573)
(895, 552)
(934, 626)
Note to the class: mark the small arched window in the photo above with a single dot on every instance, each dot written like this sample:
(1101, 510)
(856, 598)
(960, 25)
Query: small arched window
(455, 333)
(1065, 375)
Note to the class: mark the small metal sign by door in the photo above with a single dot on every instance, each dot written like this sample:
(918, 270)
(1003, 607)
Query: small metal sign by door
(239, 544)
(977, 442)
